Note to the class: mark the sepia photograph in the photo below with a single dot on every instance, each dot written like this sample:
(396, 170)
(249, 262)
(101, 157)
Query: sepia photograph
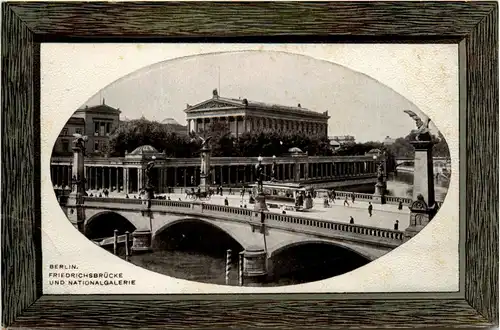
(249, 168)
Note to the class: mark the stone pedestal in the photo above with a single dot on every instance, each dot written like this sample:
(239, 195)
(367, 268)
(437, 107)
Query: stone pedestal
(205, 169)
(75, 201)
(420, 215)
(379, 195)
(423, 176)
(260, 202)
(254, 266)
(141, 241)
(424, 205)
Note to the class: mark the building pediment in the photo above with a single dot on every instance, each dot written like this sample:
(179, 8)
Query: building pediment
(212, 104)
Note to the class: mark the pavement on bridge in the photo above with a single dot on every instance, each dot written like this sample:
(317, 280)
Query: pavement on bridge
(383, 216)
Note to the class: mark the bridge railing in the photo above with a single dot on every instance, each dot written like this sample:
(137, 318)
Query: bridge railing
(336, 226)
(114, 200)
(361, 196)
(228, 209)
(248, 215)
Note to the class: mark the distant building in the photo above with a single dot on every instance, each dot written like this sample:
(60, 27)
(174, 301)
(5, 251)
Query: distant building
(388, 141)
(63, 143)
(334, 144)
(243, 115)
(97, 122)
(343, 139)
(174, 126)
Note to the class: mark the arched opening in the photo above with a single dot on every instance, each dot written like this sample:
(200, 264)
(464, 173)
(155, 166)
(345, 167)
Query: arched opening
(103, 225)
(192, 249)
(312, 261)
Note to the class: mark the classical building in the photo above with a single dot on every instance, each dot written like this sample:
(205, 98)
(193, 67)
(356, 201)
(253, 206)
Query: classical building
(97, 122)
(243, 115)
(343, 139)
(127, 173)
(173, 126)
(63, 144)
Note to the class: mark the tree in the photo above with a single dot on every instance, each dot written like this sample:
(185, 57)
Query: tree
(135, 133)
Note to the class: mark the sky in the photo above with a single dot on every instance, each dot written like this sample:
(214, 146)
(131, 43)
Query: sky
(358, 104)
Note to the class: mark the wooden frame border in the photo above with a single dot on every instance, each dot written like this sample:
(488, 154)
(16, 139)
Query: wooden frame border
(471, 25)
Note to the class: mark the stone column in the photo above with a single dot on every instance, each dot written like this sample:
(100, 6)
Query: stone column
(229, 175)
(75, 208)
(140, 183)
(254, 266)
(110, 182)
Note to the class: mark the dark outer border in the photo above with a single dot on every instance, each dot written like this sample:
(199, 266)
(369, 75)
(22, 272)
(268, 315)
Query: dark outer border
(24, 25)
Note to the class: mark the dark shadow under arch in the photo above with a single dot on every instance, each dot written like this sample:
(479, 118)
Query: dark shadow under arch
(309, 261)
(196, 235)
(104, 224)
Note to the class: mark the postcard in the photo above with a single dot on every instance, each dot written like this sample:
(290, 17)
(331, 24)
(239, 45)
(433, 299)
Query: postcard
(249, 168)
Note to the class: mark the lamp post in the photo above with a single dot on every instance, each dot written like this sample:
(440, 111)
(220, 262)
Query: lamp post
(260, 199)
(381, 185)
(76, 200)
(274, 169)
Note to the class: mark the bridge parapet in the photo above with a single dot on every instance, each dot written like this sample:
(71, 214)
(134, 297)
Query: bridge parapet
(324, 228)
(388, 237)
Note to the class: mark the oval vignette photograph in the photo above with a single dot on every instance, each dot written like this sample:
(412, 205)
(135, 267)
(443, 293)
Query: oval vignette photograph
(249, 168)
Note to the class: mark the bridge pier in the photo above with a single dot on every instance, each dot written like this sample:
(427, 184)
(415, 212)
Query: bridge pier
(141, 241)
(254, 266)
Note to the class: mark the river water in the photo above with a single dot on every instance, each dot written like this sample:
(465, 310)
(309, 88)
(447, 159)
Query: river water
(198, 253)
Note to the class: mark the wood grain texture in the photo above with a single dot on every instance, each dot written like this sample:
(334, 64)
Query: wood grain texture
(238, 19)
(481, 257)
(23, 24)
(250, 314)
(20, 182)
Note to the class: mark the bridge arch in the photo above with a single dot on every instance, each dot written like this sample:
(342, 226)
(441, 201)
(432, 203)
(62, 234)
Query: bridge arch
(196, 229)
(295, 243)
(313, 259)
(103, 224)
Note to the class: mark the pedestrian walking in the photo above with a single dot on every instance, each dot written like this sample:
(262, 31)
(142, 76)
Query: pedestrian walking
(353, 197)
(396, 225)
(400, 205)
(370, 209)
(346, 201)
(220, 190)
(226, 202)
(230, 191)
(351, 220)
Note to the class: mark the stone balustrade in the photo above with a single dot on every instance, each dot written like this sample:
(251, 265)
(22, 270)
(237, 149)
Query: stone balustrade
(280, 221)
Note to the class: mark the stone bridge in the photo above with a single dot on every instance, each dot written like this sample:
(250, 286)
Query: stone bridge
(437, 161)
(273, 231)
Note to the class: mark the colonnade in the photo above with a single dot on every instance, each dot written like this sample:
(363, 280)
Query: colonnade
(131, 178)
(240, 124)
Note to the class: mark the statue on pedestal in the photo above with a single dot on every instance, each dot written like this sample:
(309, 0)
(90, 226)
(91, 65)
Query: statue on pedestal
(422, 131)
(205, 161)
(424, 207)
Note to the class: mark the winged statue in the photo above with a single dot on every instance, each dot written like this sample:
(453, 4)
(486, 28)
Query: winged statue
(79, 141)
(204, 141)
(422, 131)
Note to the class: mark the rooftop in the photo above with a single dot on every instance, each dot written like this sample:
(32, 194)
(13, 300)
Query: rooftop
(100, 108)
(144, 150)
(243, 103)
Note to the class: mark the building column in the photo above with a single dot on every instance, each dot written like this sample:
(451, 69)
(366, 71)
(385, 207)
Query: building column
(140, 179)
(125, 180)
(229, 175)
(184, 171)
(175, 176)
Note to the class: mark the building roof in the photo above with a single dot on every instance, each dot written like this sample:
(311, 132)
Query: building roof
(295, 149)
(170, 121)
(100, 108)
(144, 150)
(222, 102)
(76, 121)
